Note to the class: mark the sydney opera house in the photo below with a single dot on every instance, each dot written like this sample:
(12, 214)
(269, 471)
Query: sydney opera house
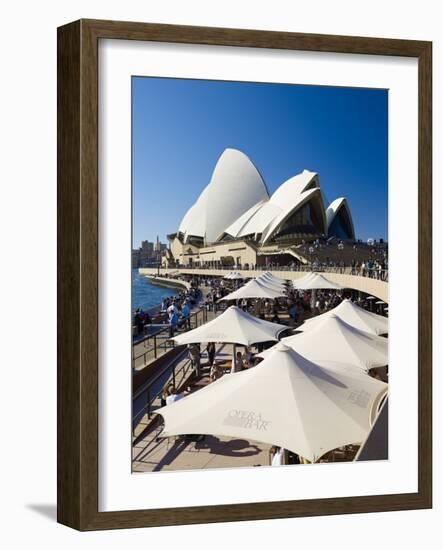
(235, 221)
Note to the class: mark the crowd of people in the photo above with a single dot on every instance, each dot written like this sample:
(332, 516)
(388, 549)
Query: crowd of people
(339, 256)
(209, 360)
(141, 320)
(293, 310)
(178, 308)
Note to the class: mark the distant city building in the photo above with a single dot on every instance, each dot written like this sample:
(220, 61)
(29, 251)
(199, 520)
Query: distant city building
(235, 221)
(135, 258)
(148, 254)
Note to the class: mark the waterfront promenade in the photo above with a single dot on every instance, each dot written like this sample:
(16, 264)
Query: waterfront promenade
(343, 276)
(186, 453)
(152, 453)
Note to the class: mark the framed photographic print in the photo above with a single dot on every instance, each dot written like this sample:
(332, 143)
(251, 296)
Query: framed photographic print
(240, 333)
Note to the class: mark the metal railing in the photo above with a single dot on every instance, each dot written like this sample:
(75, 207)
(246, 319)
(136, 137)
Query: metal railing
(143, 399)
(159, 342)
(371, 273)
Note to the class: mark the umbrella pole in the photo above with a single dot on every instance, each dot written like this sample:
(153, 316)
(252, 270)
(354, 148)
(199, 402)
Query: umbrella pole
(313, 299)
(234, 350)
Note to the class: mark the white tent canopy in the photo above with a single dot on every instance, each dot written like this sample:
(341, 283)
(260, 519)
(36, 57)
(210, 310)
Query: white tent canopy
(270, 283)
(254, 289)
(334, 343)
(233, 326)
(272, 277)
(314, 281)
(233, 275)
(355, 316)
(308, 275)
(287, 401)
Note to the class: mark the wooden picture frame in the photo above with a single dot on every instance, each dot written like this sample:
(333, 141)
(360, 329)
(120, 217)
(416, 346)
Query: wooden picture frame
(78, 273)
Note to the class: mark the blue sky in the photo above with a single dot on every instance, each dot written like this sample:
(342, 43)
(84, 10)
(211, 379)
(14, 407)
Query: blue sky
(180, 128)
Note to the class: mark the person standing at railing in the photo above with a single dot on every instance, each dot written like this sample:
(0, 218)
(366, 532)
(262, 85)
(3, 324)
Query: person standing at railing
(186, 312)
(173, 320)
(194, 355)
(210, 350)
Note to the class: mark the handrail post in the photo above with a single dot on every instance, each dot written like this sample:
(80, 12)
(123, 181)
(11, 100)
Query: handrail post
(155, 346)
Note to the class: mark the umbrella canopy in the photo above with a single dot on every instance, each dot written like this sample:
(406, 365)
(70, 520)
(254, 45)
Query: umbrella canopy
(334, 343)
(233, 275)
(234, 326)
(287, 401)
(271, 277)
(270, 283)
(254, 289)
(314, 281)
(355, 316)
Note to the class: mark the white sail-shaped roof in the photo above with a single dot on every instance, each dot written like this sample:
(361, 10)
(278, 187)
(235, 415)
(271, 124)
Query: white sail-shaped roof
(303, 198)
(333, 210)
(266, 218)
(235, 187)
(237, 226)
(236, 204)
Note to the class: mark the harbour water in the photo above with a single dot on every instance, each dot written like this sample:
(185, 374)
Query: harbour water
(146, 295)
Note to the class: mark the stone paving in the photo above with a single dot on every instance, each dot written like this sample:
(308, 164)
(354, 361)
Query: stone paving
(184, 453)
(181, 453)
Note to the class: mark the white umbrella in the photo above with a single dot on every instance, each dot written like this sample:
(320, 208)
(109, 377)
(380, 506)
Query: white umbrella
(355, 316)
(236, 275)
(334, 343)
(271, 284)
(271, 279)
(228, 275)
(314, 281)
(254, 289)
(233, 326)
(305, 277)
(303, 280)
(287, 401)
(268, 276)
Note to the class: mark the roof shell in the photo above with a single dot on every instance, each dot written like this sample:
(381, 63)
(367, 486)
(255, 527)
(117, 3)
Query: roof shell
(333, 210)
(265, 219)
(235, 187)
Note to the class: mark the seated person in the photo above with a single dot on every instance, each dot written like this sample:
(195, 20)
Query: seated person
(275, 318)
(216, 372)
(238, 364)
(276, 456)
(248, 358)
(173, 395)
